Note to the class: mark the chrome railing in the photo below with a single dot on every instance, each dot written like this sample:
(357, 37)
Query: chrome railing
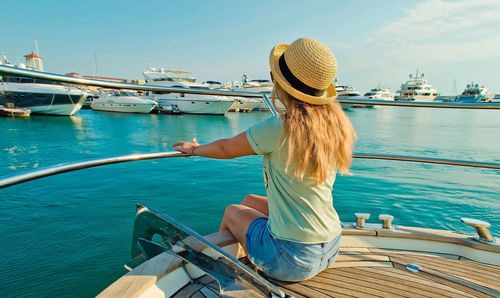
(70, 167)
(14, 71)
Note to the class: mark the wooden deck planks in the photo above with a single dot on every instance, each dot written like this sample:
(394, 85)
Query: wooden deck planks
(391, 284)
(467, 267)
(445, 282)
(382, 273)
(451, 270)
(339, 288)
(416, 284)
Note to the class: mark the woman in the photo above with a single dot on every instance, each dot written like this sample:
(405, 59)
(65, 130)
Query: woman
(294, 232)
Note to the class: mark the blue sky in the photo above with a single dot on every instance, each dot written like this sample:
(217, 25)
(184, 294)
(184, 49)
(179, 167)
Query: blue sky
(374, 41)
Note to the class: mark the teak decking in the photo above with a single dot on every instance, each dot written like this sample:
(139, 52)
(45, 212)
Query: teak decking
(371, 272)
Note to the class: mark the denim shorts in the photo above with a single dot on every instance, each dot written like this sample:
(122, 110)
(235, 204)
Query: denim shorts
(287, 260)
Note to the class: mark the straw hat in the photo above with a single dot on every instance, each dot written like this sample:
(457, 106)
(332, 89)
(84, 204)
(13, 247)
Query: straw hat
(305, 70)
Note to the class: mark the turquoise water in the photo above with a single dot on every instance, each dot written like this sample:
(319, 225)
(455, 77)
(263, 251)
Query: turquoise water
(69, 235)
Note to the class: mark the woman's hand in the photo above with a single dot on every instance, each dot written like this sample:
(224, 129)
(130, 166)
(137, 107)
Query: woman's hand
(186, 147)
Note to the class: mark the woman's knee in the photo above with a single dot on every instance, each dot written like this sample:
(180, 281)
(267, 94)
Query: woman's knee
(231, 210)
(249, 198)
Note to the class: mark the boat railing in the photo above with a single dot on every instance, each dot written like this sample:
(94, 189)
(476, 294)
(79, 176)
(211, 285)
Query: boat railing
(70, 167)
(14, 71)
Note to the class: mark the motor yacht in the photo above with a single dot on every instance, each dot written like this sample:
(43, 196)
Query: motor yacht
(416, 89)
(346, 91)
(123, 101)
(38, 95)
(375, 260)
(259, 85)
(380, 93)
(241, 104)
(475, 93)
(185, 103)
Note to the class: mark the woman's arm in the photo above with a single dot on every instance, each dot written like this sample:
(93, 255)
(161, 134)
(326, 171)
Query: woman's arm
(223, 149)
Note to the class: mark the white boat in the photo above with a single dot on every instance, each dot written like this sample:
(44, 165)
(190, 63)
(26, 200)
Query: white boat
(380, 93)
(185, 103)
(475, 93)
(38, 95)
(243, 104)
(375, 259)
(347, 91)
(123, 101)
(259, 86)
(41, 97)
(416, 89)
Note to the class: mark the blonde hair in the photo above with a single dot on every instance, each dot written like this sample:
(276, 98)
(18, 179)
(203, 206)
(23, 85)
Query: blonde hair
(319, 138)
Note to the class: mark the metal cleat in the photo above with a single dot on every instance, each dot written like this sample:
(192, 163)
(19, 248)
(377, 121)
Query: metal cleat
(481, 228)
(386, 220)
(361, 219)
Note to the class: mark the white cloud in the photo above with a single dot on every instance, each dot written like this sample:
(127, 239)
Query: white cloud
(446, 39)
(433, 20)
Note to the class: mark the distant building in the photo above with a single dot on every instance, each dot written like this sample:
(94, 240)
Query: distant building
(33, 61)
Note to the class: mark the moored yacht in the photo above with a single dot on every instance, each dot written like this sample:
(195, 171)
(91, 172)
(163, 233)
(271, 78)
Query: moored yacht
(380, 93)
(475, 93)
(241, 104)
(38, 95)
(123, 101)
(185, 103)
(346, 91)
(261, 86)
(416, 89)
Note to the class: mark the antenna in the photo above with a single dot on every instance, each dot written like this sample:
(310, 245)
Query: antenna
(95, 61)
(36, 48)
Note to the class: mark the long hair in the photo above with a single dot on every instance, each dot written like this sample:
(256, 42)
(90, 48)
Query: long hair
(319, 138)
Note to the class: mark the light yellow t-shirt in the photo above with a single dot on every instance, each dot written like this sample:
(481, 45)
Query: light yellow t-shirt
(299, 211)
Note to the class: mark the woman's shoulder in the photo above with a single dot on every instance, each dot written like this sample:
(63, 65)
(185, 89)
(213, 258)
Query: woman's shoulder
(264, 136)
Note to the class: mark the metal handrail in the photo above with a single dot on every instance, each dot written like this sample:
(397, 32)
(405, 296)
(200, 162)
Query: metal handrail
(9, 70)
(70, 167)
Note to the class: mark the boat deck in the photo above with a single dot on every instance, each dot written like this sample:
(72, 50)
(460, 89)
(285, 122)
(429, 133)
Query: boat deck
(371, 272)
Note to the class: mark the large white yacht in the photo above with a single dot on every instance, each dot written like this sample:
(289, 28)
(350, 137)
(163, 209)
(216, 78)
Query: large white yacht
(123, 101)
(263, 86)
(241, 104)
(416, 89)
(185, 103)
(38, 95)
(346, 91)
(475, 93)
(380, 93)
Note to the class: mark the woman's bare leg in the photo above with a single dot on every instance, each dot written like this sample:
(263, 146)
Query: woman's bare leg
(237, 219)
(256, 202)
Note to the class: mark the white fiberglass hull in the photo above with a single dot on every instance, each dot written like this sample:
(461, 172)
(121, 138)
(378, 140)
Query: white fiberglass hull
(208, 105)
(58, 110)
(244, 105)
(43, 98)
(123, 105)
(419, 98)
